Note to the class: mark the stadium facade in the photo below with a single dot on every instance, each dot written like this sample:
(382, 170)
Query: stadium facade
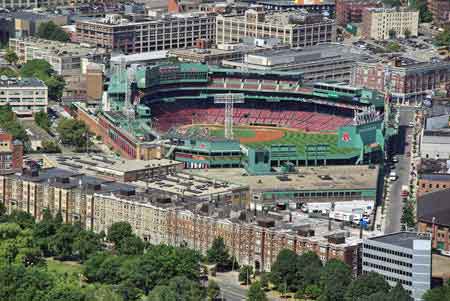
(320, 124)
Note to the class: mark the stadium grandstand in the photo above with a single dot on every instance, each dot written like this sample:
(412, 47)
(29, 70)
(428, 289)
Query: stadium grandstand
(279, 121)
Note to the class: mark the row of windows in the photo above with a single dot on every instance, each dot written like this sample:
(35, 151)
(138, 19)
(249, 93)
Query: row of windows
(385, 268)
(397, 262)
(436, 186)
(387, 251)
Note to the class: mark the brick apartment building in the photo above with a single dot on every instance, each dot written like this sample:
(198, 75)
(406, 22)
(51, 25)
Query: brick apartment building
(351, 11)
(11, 153)
(165, 216)
(148, 34)
(408, 80)
(433, 182)
(433, 216)
(440, 9)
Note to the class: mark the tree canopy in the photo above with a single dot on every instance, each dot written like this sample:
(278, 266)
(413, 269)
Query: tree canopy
(256, 293)
(72, 132)
(42, 70)
(218, 254)
(51, 31)
(10, 124)
(10, 56)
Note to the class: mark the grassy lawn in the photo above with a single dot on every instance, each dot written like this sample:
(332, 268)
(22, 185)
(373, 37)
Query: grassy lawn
(238, 132)
(301, 139)
(61, 267)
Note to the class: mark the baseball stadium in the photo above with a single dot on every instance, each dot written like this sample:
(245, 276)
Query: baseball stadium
(210, 117)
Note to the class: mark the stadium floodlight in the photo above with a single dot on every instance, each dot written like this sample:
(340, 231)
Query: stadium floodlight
(229, 99)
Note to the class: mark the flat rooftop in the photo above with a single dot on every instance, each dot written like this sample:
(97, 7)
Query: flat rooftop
(100, 163)
(59, 48)
(190, 185)
(400, 239)
(307, 178)
(6, 82)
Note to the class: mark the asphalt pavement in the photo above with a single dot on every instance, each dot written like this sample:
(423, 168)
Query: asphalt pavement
(402, 168)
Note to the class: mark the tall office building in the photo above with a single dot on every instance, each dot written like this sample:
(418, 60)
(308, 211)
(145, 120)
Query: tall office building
(403, 257)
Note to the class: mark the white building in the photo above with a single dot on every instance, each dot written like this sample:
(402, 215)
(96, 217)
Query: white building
(402, 257)
(435, 144)
(290, 28)
(26, 96)
(378, 22)
(66, 58)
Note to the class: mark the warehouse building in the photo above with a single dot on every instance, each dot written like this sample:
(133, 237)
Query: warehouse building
(147, 34)
(293, 29)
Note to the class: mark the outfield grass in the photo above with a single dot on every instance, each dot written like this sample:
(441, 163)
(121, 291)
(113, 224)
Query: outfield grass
(237, 132)
(301, 139)
(62, 267)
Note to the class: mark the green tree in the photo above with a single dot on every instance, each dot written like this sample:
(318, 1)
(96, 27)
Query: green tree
(264, 280)
(307, 265)
(119, 231)
(72, 132)
(22, 218)
(42, 120)
(408, 215)
(31, 257)
(392, 34)
(131, 245)
(161, 293)
(443, 38)
(6, 71)
(421, 5)
(159, 264)
(10, 56)
(86, 243)
(398, 293)
(51, 31)
(3, 210)
(309, 292)
(9, 123)
(256, 293)
(92, 265)
(245, 274)
(42, 70)
(366, 285)
(438, 294)
(218, 254)
(335, 277)
(49, 146)
(393, 47)
(62, 241)
(213, 290)
(407, 33)
(284, 270)
(102, 293)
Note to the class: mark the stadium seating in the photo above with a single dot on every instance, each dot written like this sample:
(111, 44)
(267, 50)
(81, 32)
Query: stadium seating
(179, 113)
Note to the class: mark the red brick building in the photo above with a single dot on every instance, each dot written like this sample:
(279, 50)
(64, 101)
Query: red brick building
(433, 182)
(409, 80)
(440, 9)
(11, 153)
(351, 11)
(433, 216)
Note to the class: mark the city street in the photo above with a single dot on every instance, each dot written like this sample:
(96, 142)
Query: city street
(229, 287)
(394, 205)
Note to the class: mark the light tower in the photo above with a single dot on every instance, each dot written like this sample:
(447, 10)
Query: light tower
(229, 99)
